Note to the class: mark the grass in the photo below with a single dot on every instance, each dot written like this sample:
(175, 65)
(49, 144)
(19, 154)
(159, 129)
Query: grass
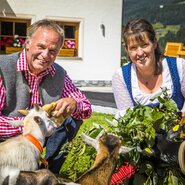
(99, 118)
(161, 30)
(80, 156)
(182, 2)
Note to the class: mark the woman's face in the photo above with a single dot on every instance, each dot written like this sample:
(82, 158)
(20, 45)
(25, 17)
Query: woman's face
(141, 52)
(42, 49)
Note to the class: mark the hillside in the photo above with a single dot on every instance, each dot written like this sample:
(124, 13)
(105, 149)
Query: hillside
(167, 17)
(168, 12)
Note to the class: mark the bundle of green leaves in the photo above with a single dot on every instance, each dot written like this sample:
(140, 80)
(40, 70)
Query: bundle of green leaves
(138, 128)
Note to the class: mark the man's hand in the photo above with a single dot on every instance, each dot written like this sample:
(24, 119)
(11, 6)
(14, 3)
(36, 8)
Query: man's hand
(61, 109)
(65, 107)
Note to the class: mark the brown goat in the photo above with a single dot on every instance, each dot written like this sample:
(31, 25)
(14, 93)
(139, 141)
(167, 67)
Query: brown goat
(108, 148)
(38, 177)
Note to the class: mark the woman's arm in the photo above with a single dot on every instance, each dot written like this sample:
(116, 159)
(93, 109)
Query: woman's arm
(181, 70)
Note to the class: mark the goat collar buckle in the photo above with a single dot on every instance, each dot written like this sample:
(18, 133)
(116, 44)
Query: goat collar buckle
(44, 162)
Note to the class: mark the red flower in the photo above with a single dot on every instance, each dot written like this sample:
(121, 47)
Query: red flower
(13, 41)
(1, 43)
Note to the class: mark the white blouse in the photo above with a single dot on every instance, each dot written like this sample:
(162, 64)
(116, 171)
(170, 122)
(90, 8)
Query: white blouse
(122, 96)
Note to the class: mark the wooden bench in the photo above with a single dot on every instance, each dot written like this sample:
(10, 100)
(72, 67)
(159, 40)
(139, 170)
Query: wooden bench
(175, 49)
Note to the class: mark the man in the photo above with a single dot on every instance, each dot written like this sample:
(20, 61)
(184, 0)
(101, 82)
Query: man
(31, 77)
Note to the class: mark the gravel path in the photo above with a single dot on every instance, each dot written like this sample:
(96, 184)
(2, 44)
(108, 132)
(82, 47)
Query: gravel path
(102, 109)
(101, 98)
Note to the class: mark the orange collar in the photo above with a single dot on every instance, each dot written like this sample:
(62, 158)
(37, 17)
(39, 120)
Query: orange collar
(33, 140)
(37, 144)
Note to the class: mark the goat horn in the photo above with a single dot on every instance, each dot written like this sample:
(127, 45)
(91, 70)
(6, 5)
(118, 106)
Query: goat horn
(124, 149)
(181, 153)
(23, 112)
(90, 141)
(49, 107)
(26, 111)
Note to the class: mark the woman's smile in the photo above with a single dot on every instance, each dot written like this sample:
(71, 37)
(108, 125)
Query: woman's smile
(142, 59)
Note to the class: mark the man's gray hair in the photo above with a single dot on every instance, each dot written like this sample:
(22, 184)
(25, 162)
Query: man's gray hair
(46, 23)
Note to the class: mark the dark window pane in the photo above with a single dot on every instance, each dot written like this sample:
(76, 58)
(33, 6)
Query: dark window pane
(20, 29)
(6, 28)
(69, 31)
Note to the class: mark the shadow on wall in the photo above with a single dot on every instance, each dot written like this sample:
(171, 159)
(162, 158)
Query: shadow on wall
(105, 99)
(5, 9)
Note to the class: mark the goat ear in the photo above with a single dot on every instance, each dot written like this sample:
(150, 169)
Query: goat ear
(16, 123)
(90, 141)
(23, 112)
(49, 107)
(36, 107)
(37, 119)
(124, 150)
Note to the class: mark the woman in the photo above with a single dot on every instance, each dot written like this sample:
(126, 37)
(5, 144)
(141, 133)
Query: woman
(148, 72)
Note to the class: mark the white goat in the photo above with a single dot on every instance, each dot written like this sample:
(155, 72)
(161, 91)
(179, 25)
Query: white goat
(23, 152)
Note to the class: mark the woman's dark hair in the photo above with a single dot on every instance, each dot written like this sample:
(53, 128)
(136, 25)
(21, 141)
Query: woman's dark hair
(135, 28)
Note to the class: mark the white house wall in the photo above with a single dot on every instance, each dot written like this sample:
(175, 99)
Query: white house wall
(99, 55)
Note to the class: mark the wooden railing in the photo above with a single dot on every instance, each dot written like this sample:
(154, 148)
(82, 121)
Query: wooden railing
(175, 49)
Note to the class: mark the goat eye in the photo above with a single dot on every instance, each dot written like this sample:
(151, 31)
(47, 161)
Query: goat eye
(37, 119)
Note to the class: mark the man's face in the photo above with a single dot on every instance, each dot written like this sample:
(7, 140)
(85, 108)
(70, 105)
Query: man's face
(42, 49)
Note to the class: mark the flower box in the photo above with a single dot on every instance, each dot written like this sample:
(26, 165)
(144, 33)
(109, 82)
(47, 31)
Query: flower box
(67, 53)
(9, 50)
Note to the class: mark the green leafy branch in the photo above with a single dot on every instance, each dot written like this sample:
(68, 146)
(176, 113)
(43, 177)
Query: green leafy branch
(137, 128)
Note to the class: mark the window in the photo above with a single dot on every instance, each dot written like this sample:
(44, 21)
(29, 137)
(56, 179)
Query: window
(12, 34)
(70, 47)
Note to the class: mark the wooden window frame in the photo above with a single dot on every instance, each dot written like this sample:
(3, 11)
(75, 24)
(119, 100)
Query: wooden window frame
(13, 20)
(70, 52)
